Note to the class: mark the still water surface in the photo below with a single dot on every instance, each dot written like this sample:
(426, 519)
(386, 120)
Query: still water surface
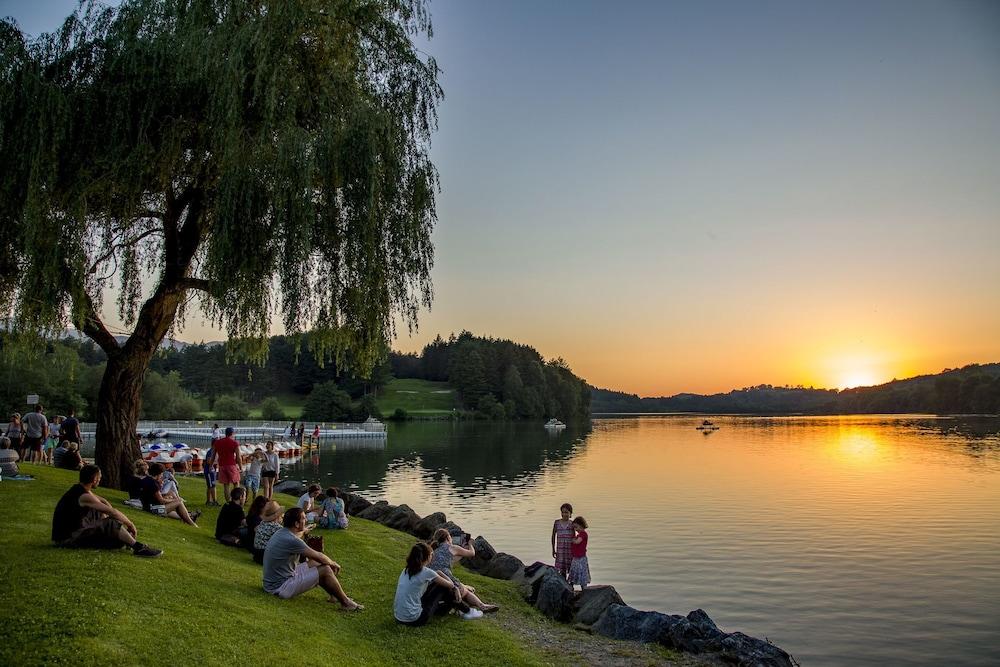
(845, 540)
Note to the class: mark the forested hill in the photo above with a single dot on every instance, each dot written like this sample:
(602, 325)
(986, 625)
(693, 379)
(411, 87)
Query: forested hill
(491, 378)
(499, 378)
(973, 389)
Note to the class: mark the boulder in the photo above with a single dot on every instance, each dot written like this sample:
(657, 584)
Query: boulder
(484, 552)
(425, 527)
(376, 511)
(401, 518)
(740, 649)
(591, 603)
(704, 624)
(502, 566)
(624, 622)
(696, 633)
(291, 487)
(528, 576)
(354, 504)
(554, 597)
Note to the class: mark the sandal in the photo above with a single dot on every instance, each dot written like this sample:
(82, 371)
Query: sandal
(489, 608)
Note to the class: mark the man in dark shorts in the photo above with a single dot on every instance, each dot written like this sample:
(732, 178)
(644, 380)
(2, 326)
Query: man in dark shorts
(36, 430)
(227, 454)
(84, 520)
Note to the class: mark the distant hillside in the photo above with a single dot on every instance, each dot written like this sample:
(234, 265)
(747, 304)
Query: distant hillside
(973, 389)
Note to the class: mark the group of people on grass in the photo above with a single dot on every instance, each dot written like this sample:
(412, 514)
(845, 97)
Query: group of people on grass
(277, 538)
(33, 439)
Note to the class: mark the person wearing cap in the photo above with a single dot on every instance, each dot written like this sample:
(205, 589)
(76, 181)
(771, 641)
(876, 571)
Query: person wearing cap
(270, 523)
(286, 577)
(227, 455)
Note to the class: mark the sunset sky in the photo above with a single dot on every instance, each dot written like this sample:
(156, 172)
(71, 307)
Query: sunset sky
(711, 195)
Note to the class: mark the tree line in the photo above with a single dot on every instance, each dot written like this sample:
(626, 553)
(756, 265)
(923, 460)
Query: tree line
(498, 379)
(972, 389)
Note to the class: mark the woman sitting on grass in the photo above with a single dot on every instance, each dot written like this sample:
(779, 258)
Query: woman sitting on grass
(149, 493)
(445, 553)
(333, 515)
(270, 523)
(421, 592)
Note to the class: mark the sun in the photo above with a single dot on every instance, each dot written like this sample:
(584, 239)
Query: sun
(857, 378)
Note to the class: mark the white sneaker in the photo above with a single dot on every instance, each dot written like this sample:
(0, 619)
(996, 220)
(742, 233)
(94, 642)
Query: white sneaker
(471, 615)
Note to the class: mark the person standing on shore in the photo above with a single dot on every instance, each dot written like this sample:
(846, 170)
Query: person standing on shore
(301, 434)
(269, 471)
(562, 540)
(227, 454)
(36, 430)
(579, 569)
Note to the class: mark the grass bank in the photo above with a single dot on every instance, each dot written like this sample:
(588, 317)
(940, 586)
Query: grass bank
(201, 603)
(420, 398)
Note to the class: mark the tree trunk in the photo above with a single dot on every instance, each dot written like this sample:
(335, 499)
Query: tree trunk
(118, 405)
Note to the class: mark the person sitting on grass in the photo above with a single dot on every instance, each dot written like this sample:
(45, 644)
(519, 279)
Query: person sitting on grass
(67, 456)
(8, 459)
(168, 485)
(270, 523)
(133, 484)
(230, 527)
(254, 519)
(332, 510)
(307, 502)
(421, 592)
(445, 552)
(84, 520)
(149, 493)
(285, 577)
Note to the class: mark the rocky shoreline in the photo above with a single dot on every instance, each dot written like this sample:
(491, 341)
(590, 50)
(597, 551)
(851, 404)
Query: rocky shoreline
(598, 609)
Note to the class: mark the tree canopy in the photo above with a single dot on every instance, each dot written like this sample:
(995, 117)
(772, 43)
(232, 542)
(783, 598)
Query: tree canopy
(271, 155)
(269, 158)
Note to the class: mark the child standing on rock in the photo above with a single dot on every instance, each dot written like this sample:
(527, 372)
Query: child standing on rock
(562, 539)
(579, 569)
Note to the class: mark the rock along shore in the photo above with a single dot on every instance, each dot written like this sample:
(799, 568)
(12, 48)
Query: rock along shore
(598, 609)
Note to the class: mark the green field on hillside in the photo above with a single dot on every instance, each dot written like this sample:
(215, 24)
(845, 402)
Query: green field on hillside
(417, 397)
(202, 603)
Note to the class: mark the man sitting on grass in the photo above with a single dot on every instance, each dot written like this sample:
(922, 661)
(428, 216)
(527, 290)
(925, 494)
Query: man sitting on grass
(230, 527)
(285, 577)
(84, 520)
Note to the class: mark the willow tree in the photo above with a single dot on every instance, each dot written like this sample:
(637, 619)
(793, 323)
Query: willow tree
(255, 160)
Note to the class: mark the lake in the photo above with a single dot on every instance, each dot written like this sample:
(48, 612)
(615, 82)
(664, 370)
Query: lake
(862, 540)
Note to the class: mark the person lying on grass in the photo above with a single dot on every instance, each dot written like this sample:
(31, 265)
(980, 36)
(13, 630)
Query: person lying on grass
(285, 577)
(84, 520)
(422, 592)
(230, 527)
(445, 553)
(149, 493)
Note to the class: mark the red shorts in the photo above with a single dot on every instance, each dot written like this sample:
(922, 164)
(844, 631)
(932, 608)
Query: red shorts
(229, 474)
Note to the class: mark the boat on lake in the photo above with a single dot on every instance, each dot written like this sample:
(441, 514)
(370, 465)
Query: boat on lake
(554, 424)
(707, 425)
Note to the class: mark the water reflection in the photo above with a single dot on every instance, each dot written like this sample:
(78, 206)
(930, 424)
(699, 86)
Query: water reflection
(468, 457)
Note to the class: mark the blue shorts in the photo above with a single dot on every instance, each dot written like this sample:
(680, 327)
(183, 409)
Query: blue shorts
(251, 482)
(210, 477)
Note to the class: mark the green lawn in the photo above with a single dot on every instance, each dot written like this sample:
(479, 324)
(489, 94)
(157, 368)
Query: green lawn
(417, 397)
(202, 603)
